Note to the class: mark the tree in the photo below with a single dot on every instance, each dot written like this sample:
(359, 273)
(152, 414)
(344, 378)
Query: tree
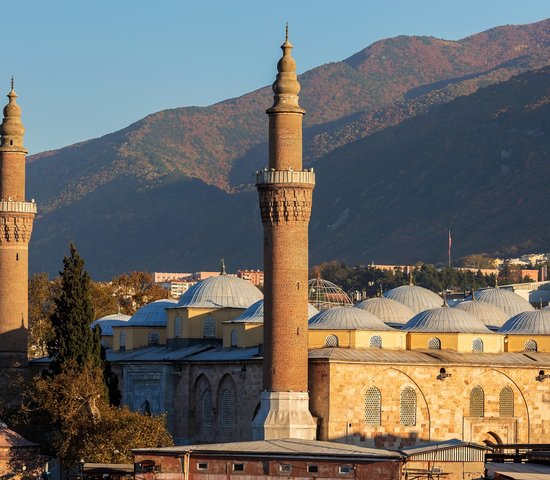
(136, 289)
(42, 292)
(72, 337)
(104, 299)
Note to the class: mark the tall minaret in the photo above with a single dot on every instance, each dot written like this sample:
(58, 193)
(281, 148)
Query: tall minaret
(16, 219)
(285, 191)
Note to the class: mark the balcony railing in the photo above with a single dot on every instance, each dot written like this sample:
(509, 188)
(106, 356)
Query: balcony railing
(285, 176)
(19, 207)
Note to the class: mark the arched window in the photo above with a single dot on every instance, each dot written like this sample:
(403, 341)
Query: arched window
(373, 406)
(477, 402)
(331, 341)
(122, 339)
(477, 345)
(153, 338)
(228, 409)
(206, 404)
(146, 408)
(506, 402)
(434, 344)
(177, 327)
(530, 346)
(375, 341)
(234, 338)
(407, 414)
(209, 327)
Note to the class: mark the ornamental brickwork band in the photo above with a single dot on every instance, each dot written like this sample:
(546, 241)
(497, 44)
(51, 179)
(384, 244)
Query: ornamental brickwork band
(285, 204)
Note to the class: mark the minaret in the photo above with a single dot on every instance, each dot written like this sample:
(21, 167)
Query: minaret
(285, 192)
(16, 219)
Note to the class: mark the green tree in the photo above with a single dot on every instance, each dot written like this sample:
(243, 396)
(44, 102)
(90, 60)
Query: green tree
(42, 292)
(136, 289)
(72, 337)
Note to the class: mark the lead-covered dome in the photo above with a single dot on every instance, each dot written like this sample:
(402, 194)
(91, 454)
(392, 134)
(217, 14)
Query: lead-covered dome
(346, 318)
(152, 314)
(504, 299)
(445, 320)
(255, 313)
(389, 311)
(416, 298)
(221, 291)
(492, 316)
(536, 322)
(107, 323)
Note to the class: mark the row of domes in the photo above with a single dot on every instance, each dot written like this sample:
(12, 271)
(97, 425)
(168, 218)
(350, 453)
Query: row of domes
(410, 307)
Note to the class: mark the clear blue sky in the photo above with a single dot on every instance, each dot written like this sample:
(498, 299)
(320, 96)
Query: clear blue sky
(86, 68)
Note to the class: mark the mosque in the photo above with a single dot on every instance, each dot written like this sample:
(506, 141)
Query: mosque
(228, 363)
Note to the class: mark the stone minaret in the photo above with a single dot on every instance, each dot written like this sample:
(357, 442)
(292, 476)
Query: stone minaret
(285, 191)
(16, 219)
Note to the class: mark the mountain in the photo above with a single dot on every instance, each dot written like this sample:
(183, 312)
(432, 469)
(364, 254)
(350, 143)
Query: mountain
(172, 191)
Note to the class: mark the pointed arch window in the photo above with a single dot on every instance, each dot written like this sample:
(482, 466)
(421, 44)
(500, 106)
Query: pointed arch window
(177, 327)
(331, 341)
(530, 346)
(153, 338)
(506, 403)
(234, 338)
(375, 341)
(407, 414)
(373, 406)
(209, 327)
(477, 402)
(206, 405)
(122, 339)
(434, 344)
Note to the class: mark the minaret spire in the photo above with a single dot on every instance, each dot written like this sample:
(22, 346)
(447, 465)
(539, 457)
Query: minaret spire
(12, 129)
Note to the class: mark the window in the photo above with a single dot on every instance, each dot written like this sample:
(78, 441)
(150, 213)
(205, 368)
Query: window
(153, 338)
(331, 341)
(506, 402)
(285, 468)
(207, 413)
(234, 338)
(238, 467)
(202, 466)
(345, 470)
(228, 410)
(122, 339)
(434, 344)
(375, 341)
(372, 406)
(477, 345)
(530, 346)
(312, 469)
(209, 327)
(407, 413)
(477, 401)
(177, 327)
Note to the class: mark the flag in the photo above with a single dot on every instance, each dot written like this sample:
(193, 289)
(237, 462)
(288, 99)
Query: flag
(450, 244)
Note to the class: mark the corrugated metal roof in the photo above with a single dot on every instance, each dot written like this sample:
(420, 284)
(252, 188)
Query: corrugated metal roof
(152, 314)
(431, 357)
(155, 353)
(491, 315)
(226, 354)
(107, 323)
(504, 299)
(9, 438)
(291, 447)
(443, 445)
(416, 298)
(389, 311)
(255, 313)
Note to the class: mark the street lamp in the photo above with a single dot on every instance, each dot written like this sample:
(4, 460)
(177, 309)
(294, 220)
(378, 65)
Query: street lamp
(81, 463)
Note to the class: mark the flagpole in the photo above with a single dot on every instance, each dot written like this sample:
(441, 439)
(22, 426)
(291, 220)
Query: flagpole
(450, 243)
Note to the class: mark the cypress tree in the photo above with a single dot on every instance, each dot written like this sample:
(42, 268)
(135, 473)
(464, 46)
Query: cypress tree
(74, 312)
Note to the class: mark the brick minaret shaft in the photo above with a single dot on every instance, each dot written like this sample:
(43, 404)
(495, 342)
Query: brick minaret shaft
(285, 192)
(16, 220)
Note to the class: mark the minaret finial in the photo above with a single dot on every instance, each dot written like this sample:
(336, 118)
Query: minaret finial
(222, 270)
(286, 33)
(12, 83)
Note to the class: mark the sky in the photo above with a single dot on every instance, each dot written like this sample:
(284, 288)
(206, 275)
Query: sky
(86, 68)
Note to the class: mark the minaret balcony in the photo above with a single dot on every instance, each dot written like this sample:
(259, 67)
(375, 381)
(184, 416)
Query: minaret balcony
(7, 206)
(264, 177)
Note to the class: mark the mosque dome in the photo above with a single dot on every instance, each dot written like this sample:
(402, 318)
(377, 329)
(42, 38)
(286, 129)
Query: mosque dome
(492, 316)
(445, 320)
(107, 323)
(416, 298)
(536, 322)
(504, 299)
(389, 311)
(255, 313)
(152, 314)
(346, 318)
(221, 291)
(323, 294)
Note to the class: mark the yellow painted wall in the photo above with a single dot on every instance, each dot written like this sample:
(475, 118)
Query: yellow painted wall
(137, 337)
(357, 338)
(461, 342)
(248, 334)
(516, 343)
(192, 320)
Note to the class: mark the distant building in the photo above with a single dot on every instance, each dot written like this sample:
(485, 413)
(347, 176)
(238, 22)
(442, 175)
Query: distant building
(254, 276)
(162, 277)
(177, 288)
